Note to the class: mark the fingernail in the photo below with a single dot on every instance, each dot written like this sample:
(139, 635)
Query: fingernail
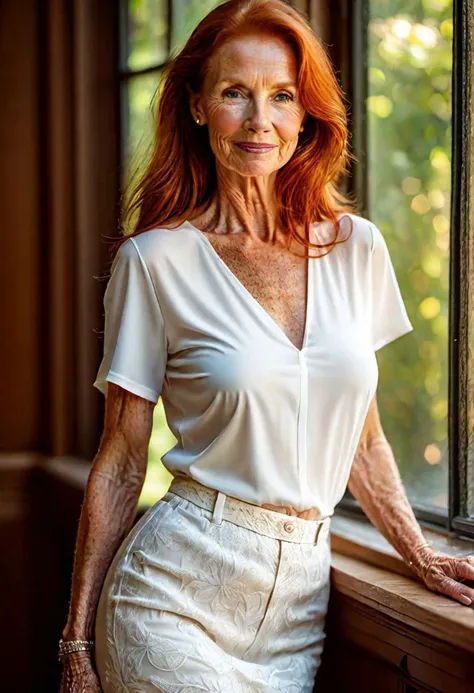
(465, 599)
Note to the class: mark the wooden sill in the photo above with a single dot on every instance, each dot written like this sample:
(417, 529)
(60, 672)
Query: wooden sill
(366, 568)
(357, 537)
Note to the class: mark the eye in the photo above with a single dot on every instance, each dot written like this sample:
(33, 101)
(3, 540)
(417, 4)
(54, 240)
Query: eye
(231, 91)
(289, 96)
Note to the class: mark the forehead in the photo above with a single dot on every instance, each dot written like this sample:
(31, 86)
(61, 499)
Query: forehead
(265, 56)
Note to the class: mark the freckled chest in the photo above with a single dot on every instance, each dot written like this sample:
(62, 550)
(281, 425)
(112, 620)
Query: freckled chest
(274, 276)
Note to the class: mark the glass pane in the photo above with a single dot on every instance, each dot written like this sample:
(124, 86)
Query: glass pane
(145, 33)
(139, 96)
(186, 15)
(409, 149)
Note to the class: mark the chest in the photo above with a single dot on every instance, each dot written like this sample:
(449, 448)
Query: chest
(274, 277)
(254, 322)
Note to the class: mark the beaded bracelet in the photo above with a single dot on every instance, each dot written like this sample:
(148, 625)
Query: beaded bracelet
(67, 647)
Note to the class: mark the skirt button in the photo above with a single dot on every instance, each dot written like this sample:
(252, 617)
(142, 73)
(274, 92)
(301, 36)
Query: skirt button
(289, 526)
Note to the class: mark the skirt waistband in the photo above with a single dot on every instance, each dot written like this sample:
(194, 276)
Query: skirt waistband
(261, 520)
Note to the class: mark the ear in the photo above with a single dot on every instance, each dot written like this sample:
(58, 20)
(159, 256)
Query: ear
(194, 103)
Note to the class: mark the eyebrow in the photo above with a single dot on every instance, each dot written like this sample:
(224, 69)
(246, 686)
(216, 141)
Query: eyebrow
(280, 85)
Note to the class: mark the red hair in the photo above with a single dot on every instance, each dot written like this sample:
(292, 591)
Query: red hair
(180, 175)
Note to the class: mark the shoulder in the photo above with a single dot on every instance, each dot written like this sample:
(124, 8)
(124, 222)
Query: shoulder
(364, 232)
(356, 238)
(159, 243)
(370, 249)
(162, 240)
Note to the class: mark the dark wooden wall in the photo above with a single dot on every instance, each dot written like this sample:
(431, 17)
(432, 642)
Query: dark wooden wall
(370, 651)
(58, 197)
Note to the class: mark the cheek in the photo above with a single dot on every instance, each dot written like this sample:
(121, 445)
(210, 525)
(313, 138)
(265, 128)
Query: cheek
(224, 120)
(288, 124)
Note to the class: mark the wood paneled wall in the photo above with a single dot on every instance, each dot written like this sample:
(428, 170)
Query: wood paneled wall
(59, 191)
(20, 196)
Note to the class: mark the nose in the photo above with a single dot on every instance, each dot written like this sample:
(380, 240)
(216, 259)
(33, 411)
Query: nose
(258, 119)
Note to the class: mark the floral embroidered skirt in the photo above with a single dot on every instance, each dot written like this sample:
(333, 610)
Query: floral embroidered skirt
(209, 593)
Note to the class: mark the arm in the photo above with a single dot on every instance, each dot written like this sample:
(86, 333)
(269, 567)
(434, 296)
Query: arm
(376, 483)
(111, 497)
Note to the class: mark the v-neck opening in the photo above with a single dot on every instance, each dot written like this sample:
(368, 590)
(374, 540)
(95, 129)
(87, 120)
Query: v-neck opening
(243, 289)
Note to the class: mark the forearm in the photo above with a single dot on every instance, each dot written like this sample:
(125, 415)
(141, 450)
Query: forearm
(107, 515)
(376, 483)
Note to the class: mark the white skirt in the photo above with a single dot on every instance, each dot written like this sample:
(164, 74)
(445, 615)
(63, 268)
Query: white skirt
(210, 593)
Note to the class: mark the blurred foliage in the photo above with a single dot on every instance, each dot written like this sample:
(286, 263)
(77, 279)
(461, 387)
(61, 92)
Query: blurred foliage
(138, 95)
(145, 30)
(186, 15)
(409, 150)
(409, 138)
(157, 478)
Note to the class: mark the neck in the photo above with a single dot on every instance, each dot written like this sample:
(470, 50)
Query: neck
(243, 204)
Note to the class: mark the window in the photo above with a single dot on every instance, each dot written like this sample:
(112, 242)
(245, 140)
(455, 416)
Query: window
(409, 128)
(412, 134)
(409, 60)
(414, 152)
(151, 31)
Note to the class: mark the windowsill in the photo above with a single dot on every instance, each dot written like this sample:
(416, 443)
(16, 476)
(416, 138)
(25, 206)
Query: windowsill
(366, 568)
(357, 537)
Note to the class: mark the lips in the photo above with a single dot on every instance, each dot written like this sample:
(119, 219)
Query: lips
(255, 148)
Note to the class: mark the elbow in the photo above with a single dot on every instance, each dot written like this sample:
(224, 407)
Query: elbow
(120, 468)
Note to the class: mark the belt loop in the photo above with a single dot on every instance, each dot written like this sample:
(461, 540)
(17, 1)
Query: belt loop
(218, 508)
(322, 530)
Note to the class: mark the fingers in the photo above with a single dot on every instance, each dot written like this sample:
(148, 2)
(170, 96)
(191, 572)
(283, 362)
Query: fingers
(465, 570)
(456, 590)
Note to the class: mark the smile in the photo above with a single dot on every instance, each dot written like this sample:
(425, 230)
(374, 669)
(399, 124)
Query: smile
(255, 149)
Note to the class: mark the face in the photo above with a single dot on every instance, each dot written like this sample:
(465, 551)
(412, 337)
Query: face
(250, 96)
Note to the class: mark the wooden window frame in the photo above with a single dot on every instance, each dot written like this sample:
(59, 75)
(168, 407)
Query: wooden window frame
(126, 74)
(459, 519)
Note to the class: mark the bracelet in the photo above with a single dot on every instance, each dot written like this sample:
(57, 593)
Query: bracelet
(421, 546)
(67, 647)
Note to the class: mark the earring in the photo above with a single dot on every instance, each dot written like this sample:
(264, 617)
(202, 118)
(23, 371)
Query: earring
(198, 120)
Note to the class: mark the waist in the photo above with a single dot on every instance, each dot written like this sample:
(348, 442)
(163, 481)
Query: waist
(314, 513)
(309, 514)
(238, 511)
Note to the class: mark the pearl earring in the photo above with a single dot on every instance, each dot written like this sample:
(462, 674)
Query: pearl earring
(198, 121)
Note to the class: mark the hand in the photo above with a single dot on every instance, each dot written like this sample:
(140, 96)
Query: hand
(79, 675)
(446, 574)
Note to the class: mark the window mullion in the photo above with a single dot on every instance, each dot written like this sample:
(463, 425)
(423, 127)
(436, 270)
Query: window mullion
(461, 405)
(359, 79)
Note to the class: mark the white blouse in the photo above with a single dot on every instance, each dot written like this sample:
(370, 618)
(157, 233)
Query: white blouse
(254, 416)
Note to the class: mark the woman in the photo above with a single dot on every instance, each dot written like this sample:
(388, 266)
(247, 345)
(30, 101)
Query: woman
(252, 299)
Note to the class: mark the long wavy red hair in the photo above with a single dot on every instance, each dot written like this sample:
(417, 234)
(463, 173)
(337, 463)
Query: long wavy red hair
(180, 175)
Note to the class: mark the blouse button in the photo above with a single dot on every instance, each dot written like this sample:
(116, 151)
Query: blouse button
(289, 526)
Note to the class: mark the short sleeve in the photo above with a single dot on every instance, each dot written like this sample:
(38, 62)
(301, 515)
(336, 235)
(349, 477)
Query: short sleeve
(389, 316)
(135, 345)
